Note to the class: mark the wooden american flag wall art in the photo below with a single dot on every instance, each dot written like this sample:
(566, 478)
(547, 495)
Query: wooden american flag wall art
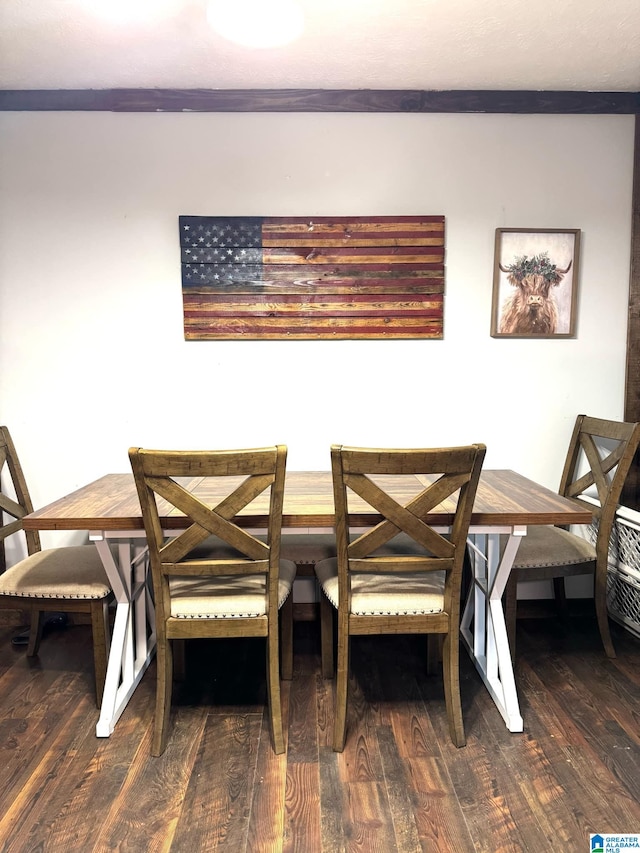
(287, 278)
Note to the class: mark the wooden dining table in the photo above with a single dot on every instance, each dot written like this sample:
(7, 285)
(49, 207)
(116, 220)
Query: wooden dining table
(506, 504)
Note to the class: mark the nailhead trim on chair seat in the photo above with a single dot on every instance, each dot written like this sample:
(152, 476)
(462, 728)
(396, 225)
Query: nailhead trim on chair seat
(377, 594)
(541, 542)
(38, 576)
(307, 548)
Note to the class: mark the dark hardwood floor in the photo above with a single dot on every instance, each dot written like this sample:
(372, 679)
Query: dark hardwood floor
(400, 784)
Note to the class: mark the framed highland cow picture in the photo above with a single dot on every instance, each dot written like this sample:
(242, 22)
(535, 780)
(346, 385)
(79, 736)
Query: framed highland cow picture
(535, 283)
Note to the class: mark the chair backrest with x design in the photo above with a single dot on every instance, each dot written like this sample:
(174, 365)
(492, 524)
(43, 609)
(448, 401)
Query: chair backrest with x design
(598, 461)
(438, 475)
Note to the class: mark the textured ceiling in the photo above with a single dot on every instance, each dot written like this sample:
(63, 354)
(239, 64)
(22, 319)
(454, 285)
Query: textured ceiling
(346, 44)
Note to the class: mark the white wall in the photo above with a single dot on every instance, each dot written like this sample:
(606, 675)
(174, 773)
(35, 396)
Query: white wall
(92, 355)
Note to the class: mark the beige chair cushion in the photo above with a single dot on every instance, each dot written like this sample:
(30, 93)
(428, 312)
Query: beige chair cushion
(75, 571)
(227, 597)
(307, 548)
(379, 594)
(552, 546)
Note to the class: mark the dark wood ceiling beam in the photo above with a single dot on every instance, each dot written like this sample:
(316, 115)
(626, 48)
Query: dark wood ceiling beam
(320, 100)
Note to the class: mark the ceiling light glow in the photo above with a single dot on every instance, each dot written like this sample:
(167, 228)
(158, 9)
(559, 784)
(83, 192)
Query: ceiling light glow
(256, 23)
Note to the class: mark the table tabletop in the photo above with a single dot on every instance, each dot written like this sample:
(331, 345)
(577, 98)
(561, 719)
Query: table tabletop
(504, 497)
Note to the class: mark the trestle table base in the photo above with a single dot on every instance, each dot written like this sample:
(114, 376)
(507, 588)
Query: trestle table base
(133, 639)
(483, 627)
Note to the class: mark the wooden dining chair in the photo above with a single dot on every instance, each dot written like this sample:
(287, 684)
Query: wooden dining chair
(68, 579)
(401, 576)
(598, 460)
(214, 578)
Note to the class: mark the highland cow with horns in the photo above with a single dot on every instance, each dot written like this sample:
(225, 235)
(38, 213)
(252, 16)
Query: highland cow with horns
(531, 309)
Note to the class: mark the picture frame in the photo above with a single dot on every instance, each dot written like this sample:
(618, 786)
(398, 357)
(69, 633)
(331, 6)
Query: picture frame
(535, 282)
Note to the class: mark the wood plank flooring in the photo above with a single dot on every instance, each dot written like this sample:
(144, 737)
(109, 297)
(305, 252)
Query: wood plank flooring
(400, 784)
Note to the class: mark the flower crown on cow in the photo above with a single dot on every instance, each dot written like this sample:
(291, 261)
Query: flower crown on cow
(535, 265)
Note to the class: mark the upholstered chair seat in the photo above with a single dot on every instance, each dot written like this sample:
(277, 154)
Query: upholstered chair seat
(227, 598)
(552, 546)
(385, 595)
(60, 573)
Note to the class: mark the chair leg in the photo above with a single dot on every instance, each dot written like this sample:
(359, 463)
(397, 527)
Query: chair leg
(602, 614)
(451, 674)
(286, 639)
(100, 634)
(273, 690)
(342, 684)
(164, 684)
(433, 652)
(35, 633)
(326, 636)
(510, 603)
(560, 595)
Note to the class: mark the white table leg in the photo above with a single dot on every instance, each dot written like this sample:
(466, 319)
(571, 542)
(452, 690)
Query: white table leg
(133, 639)
(483, 626)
